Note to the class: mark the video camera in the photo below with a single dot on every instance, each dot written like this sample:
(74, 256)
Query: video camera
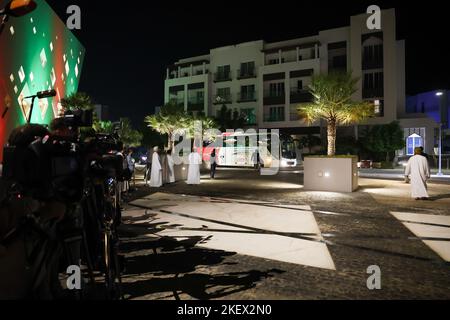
(54, 165)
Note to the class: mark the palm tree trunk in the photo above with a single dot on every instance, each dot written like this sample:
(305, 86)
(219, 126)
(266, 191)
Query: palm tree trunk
(331, 135)
(169, 140)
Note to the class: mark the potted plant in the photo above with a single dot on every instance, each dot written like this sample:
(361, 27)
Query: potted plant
(332, 101)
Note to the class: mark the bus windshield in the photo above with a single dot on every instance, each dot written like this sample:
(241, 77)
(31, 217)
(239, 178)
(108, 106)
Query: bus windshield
(287, 148)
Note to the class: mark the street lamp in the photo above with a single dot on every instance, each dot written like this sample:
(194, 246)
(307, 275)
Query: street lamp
(16, 8)
(439, 94)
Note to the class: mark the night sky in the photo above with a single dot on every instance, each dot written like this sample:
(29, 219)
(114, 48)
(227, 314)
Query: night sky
(128, 48)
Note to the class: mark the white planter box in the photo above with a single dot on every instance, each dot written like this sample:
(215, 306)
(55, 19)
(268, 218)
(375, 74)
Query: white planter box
(181, 171)
(337, 174)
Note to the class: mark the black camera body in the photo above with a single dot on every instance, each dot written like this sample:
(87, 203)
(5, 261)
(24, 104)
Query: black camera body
(45, 169)
(79, 118)
(47, 166)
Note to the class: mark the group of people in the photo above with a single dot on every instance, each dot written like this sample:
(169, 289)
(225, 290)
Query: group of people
(161, 168)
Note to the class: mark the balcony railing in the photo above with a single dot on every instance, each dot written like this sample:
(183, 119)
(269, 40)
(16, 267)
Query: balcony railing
(246, 96)
(196, 104)
(373, 93)
(222, 99)
(177, 102)
(274, 97)
(272, 61)
(300, 95)
(274, 118)
(185, 74)
(222, 76)
(372, 64)
(246, 74)
(294, 116)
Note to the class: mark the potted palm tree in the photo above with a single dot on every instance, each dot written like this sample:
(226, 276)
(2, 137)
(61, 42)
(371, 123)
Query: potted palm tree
(332, 101)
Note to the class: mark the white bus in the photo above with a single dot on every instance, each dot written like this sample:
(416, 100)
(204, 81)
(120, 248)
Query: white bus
(248, 149)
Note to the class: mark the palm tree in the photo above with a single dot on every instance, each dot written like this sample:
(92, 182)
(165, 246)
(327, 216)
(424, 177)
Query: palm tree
(172, 119)
(77, 101)
(332, 102)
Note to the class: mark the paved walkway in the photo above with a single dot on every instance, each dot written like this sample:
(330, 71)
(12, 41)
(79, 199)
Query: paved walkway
(243, 236)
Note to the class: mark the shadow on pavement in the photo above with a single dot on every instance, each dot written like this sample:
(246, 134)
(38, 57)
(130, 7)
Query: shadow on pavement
(166, 267)
(439, 197)
(198, 285)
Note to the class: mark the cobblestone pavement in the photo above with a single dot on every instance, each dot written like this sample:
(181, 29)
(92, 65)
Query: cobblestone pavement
(359, 228)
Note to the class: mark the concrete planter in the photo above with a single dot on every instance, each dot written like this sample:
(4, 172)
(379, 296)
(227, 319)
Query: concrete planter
(181, 171)
(334, 174)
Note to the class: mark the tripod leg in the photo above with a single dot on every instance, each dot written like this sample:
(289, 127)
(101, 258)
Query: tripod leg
(88, 259)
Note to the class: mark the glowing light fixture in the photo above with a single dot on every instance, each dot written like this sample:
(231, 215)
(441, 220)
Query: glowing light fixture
(18, 8)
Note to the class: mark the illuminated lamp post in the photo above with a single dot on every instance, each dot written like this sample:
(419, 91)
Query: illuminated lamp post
(16, 8)
(439, 94)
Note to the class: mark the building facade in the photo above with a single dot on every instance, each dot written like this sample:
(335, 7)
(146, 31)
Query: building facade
(267, 82)
(422, 116)
(37, 52)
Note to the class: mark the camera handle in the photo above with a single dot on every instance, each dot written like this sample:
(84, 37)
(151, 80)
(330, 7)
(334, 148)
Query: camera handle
(40, 95)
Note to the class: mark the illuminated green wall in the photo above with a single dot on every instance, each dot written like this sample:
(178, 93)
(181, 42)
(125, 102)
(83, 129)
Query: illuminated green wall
(37, 52)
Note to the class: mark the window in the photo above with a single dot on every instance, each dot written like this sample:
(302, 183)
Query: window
(379, 108)
(373, 56)
(224, 94)
(200, 96)
(250, 115)
(276, 114)
(248, 93)
(223, 73)
(373, 80)
(300, 85)
(300, 58)
(412, 142)
(276, 89)
(247, 69)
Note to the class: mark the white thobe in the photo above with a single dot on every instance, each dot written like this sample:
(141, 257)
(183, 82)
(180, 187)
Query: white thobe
(419, 172)
(194, 168)
(171, 168)
(156, 173)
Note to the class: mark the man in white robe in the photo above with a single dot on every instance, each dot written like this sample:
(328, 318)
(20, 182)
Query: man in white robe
(194, 168)
(156, 172)
(418, 171)
(171, 164)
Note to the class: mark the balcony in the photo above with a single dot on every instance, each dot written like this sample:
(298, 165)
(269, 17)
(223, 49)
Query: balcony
(222, 76)
(372, 93)
(246, 74)
(177, 102)
(274, 97)
(196, 104)
(372, 64)
(185, 74)
(222, 99)
(247, 96)
(289, 59)
(274, 118)
(300, 95)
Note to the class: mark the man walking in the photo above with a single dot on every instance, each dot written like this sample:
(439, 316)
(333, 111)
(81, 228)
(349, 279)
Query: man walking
(418, 171)
(213, 162)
